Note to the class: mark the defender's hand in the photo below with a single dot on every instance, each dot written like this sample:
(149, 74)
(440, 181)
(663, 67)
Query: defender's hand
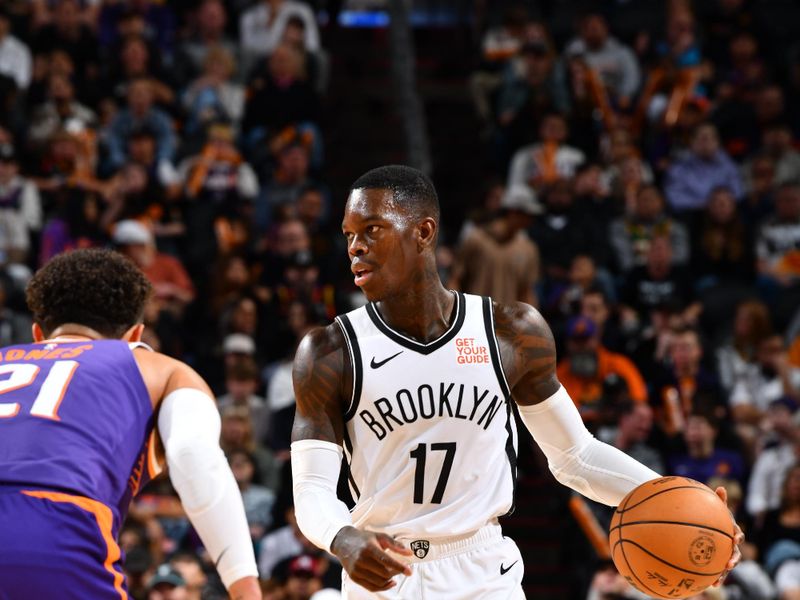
(363, 555)
(738, 538)
(246, 588)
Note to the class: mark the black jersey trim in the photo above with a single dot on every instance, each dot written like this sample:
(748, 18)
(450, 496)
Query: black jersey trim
(494, 352)
(355, 361)
(348, 456)
(457, 321)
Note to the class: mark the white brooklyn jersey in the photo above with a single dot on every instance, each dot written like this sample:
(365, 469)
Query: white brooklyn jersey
(430, 437)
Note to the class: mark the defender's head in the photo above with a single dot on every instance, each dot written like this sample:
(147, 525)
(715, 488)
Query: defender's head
(391, 222)
(94, 288)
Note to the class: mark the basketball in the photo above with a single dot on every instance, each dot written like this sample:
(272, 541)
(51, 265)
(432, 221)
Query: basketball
(671, 537)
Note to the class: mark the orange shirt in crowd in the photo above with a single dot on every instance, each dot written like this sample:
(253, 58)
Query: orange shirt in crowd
(586, 392)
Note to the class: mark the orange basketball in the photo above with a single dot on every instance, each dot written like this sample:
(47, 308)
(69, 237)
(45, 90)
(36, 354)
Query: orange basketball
(671, 537)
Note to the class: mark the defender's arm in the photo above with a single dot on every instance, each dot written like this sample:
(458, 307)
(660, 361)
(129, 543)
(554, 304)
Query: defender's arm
(189, 428)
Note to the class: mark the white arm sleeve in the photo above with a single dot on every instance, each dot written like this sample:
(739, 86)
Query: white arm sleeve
(189, 426)
(598, 471)
(315, 472)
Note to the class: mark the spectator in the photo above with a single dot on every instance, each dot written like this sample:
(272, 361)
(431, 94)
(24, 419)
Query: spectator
(586, 366)
(61, 111)
(304, 577)
(137, 60)
(20, 209)
(140, 113)
(722, 244)
(258, 500)
(172, 286)
(166, 584)
(548, 161)
(189, 566)
(15, 57)
(703, 459)
(292, 176)
(237, 436)
(241, 385)
(778, 251)
(783, 525)
(262, 26)
(774, 461)
(281, 544)
(777, 144)
(690, 181)
(685, 386)
(68, 32)
(736, 359)
(207, 35)
(152, 18)
(499, 259)
(529, 88)
(631, 236)
(633, 429)
(614, 62)
(759, 178)
(658, 283)
(500, 44)
(280, 96)
(563, 232)
(752, 395)
(214, 96)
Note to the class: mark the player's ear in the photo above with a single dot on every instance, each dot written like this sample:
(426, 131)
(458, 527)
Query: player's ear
(426, 231)
(134, 334)
(38, 334)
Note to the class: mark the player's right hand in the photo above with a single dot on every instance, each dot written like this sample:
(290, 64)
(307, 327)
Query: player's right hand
(363, 555)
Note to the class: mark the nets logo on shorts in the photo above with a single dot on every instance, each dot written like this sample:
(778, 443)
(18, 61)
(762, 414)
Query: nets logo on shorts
(420, 548)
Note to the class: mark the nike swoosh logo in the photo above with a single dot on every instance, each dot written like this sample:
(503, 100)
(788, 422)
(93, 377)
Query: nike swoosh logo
(376, 365)
(505, 570)
(219, 558)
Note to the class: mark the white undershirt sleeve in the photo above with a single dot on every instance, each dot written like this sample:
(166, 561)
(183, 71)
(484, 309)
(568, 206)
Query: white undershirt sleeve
(189, 426)
(315, 473)
(598, 471)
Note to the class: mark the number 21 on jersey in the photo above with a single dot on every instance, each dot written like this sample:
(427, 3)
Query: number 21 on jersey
(54, 386)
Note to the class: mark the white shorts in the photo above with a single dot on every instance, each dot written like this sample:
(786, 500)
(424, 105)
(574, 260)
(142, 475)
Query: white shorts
(483, 565)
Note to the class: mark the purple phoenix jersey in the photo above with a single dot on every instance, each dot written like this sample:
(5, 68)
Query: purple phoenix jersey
(76, 444)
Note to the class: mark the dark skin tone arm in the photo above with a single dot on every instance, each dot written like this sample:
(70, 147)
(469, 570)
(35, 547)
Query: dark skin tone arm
(528, 354)
(322, 380)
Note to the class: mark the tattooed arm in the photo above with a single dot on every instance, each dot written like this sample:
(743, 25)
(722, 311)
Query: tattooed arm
(579, 461)
(322, 381)
(596, 470)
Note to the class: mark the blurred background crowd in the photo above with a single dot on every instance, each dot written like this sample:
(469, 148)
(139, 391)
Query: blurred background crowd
(629, 167)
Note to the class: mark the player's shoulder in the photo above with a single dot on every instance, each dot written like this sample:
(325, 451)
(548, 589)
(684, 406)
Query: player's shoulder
(321, 343)
(514, 318)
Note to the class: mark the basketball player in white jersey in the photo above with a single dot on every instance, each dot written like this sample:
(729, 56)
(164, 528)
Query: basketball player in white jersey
(415, 390)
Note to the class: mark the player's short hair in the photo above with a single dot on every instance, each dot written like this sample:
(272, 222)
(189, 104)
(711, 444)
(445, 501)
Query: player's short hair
(410, 187)
(96, 288)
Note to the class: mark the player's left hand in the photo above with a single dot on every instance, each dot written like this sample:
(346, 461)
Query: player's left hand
(738, 538)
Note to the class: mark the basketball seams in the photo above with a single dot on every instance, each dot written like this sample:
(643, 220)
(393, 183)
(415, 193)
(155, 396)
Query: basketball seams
(684, 523)
(658, 493)
(667, 563)
(630, 569)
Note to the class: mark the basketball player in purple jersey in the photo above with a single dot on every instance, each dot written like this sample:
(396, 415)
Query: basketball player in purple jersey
(85, 413)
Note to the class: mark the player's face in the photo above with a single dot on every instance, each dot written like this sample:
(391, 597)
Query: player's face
(381, 243)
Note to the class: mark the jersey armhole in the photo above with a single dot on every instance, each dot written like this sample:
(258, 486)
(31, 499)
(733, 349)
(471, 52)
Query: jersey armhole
(355, 361)
(494, 347)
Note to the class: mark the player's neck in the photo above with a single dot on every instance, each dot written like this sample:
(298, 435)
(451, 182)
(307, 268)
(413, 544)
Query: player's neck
(422, 314)
(70, 331)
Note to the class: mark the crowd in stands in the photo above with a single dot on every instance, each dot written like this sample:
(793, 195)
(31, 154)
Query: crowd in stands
(646, 199)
